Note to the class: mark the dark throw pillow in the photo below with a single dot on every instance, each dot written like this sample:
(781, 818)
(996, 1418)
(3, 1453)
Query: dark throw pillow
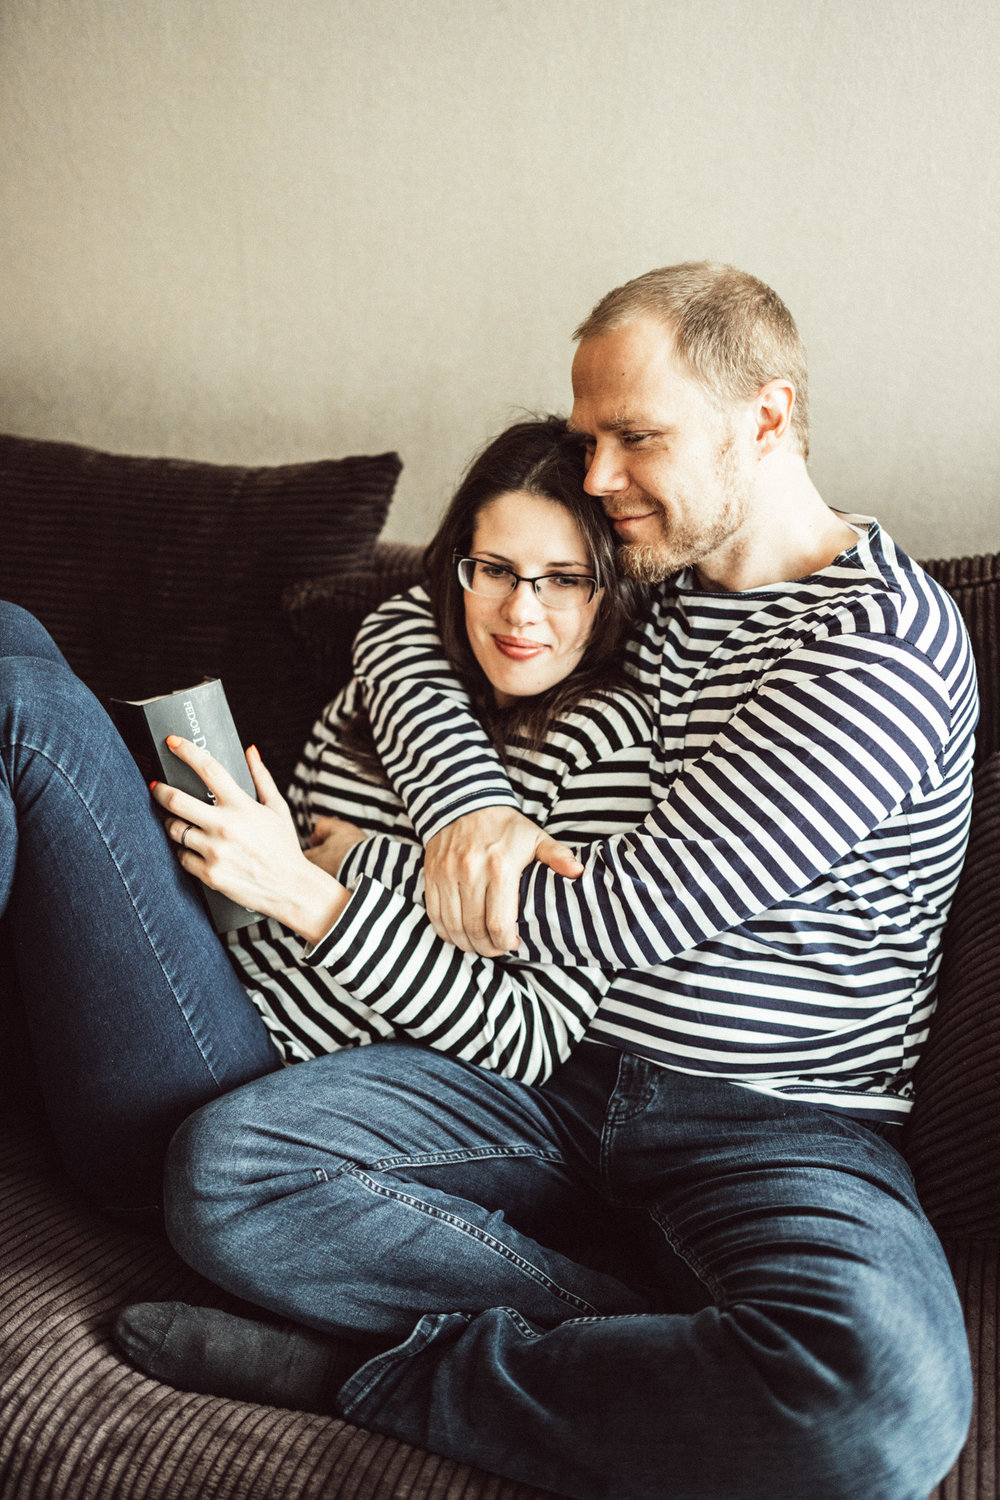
(152, 573)
(326, 613)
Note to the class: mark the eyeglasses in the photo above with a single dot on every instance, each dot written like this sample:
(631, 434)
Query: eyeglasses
(554, 590)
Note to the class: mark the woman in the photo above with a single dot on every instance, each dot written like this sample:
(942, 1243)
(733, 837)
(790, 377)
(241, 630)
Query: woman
(135, 1013)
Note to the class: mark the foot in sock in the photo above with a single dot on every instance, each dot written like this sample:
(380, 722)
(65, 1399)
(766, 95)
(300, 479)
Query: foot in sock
(217, 1354)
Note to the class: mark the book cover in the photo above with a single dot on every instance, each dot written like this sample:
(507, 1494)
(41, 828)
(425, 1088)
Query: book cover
(202, 714)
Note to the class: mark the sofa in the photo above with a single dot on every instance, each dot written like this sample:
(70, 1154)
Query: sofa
(151, 573)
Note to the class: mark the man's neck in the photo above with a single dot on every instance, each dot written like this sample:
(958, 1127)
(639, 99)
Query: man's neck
(790, 533)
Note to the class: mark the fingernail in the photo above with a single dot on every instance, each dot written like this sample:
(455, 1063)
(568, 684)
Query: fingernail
(254, 751)
(153, 785)
(174, 739)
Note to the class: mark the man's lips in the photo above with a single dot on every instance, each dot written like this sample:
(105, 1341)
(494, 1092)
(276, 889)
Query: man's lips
(517, 648)
(630, 519)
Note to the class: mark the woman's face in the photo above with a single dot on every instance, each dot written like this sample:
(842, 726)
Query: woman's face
(521, 644)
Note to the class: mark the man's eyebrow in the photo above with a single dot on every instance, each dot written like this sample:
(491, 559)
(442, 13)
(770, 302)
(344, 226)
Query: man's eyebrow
(617, 423)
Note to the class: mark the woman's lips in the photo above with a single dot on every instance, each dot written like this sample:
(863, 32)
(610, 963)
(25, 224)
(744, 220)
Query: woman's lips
(517, 649)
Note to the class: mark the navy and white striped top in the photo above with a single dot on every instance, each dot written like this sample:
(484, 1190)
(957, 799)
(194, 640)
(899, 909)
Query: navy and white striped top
(381, 972)
(776, 919)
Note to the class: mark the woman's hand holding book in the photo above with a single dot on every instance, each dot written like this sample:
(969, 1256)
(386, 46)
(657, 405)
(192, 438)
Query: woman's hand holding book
(248, 850)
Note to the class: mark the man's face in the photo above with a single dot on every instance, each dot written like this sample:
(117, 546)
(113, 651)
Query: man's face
(671, 466)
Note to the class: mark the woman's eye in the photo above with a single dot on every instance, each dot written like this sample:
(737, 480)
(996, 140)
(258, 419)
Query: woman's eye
(567, 581)
(493, 570)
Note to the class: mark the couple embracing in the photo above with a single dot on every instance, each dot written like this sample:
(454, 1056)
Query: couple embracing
(631, 844)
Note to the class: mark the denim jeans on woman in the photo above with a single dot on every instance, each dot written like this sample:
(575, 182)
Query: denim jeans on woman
(135, 1014)
(628, 1284)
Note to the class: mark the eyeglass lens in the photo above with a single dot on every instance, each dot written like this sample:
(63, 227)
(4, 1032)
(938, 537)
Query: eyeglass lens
(554, 590)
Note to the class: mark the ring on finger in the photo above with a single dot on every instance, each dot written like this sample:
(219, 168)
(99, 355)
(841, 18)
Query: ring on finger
(184, 835)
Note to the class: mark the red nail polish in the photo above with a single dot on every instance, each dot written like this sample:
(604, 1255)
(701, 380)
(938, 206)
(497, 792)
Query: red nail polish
(153, 785)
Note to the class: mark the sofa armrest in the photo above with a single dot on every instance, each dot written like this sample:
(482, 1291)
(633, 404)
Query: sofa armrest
(952, 1139)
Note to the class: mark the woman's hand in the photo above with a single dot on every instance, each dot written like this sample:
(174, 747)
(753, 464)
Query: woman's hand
(330, 841)
(248, 850)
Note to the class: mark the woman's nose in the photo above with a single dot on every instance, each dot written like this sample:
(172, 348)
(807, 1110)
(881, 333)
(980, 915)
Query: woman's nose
(522, 604)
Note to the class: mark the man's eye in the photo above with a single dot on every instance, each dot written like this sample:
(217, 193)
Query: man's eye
(633, 439)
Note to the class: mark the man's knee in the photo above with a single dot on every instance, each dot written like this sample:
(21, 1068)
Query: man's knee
(229, 1158)
(878, 1406)
(239, 1166)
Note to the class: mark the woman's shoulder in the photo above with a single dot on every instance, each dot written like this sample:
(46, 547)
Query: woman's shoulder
(603, 724)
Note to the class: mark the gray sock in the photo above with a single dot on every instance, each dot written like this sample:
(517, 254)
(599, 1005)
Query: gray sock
(218, 1354)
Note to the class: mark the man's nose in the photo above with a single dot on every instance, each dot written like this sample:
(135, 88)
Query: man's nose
(606, 473)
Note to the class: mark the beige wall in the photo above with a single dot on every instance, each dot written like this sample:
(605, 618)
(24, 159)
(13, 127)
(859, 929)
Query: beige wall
(266, 230)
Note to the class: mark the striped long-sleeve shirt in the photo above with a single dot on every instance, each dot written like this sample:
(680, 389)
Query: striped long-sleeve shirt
(776, 920)
(380, 972)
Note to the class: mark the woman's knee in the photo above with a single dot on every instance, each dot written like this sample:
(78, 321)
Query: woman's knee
(21, 634)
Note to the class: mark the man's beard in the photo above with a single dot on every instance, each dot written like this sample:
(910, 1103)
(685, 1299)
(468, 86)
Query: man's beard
(686, 544)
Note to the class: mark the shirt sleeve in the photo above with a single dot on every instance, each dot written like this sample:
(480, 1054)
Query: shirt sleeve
(518, 1019)
(433, 748)
(831, 742)
(392, 861)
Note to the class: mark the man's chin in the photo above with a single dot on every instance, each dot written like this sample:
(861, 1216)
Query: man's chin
(646, 563)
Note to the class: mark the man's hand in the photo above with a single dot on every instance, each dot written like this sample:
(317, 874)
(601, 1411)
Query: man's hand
(473, 871)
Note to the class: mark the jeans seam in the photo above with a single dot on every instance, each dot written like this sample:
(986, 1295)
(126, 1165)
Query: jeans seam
(360, 1385)
(447, 1158)
(462, 1226)
(692, 1261)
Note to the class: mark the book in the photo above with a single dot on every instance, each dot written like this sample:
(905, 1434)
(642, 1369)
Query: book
(202, 714)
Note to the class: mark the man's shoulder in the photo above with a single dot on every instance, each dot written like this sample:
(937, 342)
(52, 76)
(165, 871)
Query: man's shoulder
(892, 594)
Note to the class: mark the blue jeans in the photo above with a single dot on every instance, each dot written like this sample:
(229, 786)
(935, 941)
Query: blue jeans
(625, 1285)
(135, 1014)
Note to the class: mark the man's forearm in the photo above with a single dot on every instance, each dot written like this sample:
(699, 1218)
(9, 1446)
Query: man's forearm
(433, 749)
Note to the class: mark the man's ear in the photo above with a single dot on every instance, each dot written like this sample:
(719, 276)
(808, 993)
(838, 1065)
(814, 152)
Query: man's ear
(773, 414)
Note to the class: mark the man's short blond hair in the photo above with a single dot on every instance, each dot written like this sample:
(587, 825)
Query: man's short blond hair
(732, 330)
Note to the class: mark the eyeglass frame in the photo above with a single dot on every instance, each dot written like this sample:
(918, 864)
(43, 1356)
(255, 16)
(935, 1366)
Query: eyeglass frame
(459, 558)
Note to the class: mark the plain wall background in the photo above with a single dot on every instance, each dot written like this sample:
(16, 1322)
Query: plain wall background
(260, 231)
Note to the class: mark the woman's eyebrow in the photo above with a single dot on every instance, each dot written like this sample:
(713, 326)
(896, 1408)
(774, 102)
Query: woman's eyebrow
(508, 562)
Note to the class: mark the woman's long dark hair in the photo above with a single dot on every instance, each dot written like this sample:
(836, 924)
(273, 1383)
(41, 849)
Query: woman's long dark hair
(539, 457)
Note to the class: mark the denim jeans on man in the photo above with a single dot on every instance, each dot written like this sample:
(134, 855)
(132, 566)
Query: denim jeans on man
(627, 1284)
(135, 1014)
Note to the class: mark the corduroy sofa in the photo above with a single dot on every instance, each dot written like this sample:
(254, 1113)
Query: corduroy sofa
(150, 572)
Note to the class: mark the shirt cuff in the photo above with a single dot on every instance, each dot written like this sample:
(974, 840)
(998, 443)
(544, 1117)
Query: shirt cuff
(433, 820)
(350, 937)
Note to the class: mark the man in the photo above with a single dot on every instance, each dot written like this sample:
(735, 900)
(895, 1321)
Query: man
(692, 1263)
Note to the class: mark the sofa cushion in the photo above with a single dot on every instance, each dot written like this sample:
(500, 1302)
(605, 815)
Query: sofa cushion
(152, 573)
(953, 1137)
(78, 1423)
(327, 612)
